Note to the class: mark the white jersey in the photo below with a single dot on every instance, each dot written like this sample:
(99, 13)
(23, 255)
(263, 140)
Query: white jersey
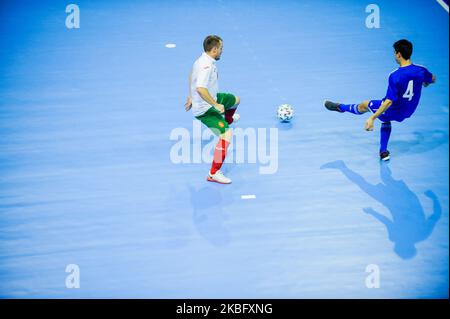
(204, 74)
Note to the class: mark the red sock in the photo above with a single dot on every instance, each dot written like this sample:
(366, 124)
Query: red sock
(229, 115)
(219, 155)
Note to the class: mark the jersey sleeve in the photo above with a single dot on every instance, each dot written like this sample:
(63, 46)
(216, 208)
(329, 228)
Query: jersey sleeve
(392, 91)
(203, 76)
(428, 77)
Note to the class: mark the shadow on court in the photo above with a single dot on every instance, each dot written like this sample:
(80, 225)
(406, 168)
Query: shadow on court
(408, 224)
(208, 214)
(422, 142)
(284, 126)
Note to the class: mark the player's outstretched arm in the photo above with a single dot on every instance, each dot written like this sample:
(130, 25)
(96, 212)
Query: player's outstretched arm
(188, 104)
(383, 107)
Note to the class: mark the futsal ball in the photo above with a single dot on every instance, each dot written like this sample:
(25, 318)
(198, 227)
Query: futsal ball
(285, 113)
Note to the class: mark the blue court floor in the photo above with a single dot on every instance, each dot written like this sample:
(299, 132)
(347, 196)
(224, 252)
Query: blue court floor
(87, 177)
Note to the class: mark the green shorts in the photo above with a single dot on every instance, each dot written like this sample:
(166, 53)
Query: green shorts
(213, 119)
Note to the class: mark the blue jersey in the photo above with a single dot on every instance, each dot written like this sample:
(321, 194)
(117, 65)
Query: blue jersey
(405, 86)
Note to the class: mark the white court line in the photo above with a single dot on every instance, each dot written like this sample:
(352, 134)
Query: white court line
(248, 196)
(443, 4)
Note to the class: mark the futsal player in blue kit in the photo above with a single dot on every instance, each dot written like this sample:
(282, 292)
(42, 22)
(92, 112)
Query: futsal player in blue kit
(402, 97)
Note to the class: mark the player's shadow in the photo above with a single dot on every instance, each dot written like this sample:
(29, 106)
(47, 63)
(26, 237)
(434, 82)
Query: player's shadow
(208, 214)
(422, 142)
(408, 224)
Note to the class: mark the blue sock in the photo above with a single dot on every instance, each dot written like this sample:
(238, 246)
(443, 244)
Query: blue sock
(384, 136)
(352, 108)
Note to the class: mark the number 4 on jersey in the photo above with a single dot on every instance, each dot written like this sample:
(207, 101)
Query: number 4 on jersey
(409, 91)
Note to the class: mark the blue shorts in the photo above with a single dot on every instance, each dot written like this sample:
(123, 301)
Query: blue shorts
(389, 115)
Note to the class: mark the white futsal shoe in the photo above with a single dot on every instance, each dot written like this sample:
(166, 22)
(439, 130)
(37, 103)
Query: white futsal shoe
(218, 177)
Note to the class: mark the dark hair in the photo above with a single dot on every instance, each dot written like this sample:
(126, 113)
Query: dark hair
(210, 42)
(404, 47)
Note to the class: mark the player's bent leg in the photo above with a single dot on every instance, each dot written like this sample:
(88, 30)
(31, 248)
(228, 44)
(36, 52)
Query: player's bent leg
(235, 116)
(238, 101)
(332, 106)
(230, 102)
(363, 107)
(341, 108)
(373, 105)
